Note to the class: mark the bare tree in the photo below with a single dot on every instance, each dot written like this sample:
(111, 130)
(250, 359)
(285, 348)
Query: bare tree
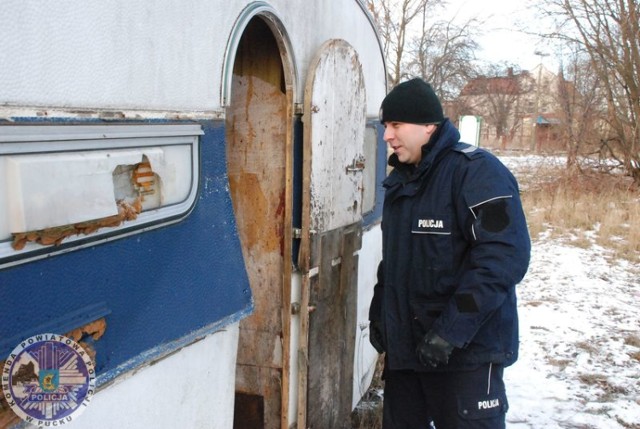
(501, 99)
(417, 44)
(393, 18)
(443, 54)
(609, 33)
(580, 101)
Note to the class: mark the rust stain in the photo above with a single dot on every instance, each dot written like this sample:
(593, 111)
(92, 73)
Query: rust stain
(251, 208)
(7, 416)
(279, 226)
(143, 181)
(55, 236)
(95, 330)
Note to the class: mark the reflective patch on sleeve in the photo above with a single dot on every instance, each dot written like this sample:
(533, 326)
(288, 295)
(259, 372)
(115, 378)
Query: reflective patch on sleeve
(493, 215)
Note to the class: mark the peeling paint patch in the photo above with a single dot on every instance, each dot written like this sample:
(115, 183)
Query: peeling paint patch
(55, 236)
(136, 188)
(86, 335)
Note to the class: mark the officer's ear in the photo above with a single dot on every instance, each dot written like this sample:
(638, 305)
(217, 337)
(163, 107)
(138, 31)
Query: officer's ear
(429, 129)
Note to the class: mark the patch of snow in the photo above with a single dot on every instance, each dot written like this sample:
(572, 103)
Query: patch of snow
(579, 363)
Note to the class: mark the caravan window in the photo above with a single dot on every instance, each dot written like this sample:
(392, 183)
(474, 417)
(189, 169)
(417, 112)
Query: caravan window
(62, 186)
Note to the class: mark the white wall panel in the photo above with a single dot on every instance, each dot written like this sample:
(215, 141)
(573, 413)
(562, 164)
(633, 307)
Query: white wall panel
(162, 55)
(193, 388)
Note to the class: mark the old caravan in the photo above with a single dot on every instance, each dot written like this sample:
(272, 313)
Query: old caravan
(190, 190)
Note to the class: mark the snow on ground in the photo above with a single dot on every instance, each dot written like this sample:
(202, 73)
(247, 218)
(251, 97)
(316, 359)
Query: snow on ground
(579, 364)
(579, 323)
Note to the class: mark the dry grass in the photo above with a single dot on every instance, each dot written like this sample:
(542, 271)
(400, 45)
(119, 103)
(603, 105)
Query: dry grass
(632, 340)
(562, 364)
(588, 347)
(587, 208)
(608, 388)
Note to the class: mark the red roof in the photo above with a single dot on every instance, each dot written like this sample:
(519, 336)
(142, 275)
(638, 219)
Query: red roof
(495, 85)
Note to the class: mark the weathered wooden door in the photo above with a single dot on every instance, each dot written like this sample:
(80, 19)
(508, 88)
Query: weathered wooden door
(334, 126)
(258, 141)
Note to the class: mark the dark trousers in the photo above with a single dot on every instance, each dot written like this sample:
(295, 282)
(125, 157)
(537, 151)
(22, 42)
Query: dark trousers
(451, 400)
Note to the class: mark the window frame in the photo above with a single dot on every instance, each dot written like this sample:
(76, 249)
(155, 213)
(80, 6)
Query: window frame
(29, 139)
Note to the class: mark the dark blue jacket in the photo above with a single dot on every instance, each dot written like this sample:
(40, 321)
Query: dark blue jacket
(455, 244)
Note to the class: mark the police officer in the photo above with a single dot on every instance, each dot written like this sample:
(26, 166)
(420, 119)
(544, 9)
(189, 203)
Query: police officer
(455, 244)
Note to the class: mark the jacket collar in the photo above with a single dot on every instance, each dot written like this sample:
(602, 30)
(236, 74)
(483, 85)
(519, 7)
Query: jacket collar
(443, 139)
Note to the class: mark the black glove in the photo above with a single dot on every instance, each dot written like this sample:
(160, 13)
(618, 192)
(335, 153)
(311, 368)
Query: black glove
(433, 350)
(375, 336)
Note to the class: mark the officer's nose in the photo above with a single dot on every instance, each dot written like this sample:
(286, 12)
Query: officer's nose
(388, 134)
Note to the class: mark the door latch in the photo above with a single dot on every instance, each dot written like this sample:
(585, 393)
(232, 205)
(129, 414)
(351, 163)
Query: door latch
(356, 165)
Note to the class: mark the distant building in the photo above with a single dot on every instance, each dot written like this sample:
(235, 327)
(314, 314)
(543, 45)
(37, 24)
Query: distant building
(518, 110)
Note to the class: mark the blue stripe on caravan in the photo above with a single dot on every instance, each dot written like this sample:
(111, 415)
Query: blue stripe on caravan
(161, 288)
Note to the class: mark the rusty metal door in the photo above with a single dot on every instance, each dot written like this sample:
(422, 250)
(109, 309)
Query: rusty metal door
(334, 126)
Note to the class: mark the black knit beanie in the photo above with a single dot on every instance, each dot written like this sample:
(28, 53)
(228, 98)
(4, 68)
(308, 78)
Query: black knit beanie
(412, 101)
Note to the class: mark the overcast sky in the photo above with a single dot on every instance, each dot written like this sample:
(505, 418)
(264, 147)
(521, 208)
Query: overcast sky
(502, 41)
